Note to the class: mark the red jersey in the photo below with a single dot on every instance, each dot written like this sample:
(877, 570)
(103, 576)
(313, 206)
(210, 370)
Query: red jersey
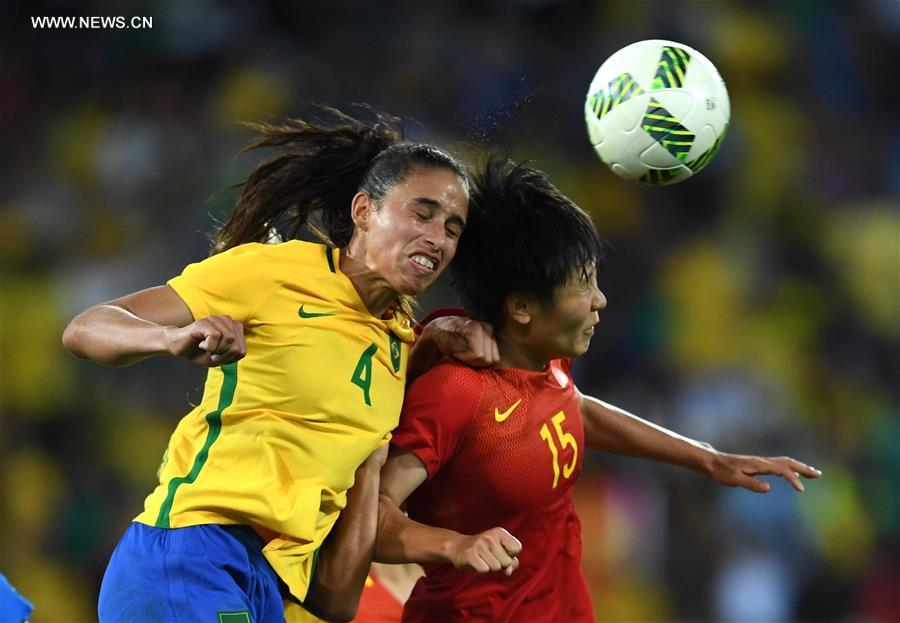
(377, 604)
(503, 447)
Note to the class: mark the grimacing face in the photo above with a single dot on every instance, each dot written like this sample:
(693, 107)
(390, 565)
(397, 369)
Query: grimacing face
(412, 232)
(565, 327)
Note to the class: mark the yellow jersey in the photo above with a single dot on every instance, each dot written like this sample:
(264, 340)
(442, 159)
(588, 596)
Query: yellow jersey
(276, 439)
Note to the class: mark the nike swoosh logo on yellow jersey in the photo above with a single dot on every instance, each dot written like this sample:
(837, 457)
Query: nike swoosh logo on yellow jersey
(501, 417)
(306, 314)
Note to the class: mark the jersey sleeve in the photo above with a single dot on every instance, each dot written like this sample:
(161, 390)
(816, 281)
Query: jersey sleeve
(232, 283)
(437, 411)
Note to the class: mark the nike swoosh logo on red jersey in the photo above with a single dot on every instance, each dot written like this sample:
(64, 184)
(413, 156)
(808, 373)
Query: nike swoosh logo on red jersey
(501, 416)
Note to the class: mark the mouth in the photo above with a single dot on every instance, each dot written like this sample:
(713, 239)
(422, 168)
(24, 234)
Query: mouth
(589, 331)
(424, 263)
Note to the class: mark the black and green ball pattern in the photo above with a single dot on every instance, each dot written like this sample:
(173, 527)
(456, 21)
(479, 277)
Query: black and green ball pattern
(667, 129)
(672, 66)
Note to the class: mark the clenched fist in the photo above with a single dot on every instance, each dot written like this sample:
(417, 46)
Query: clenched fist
(493, 550)
(209, 342)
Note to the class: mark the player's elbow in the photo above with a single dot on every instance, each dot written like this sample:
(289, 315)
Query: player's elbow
(331, 602)
(341, 615)
(71, 338)
(332, 612)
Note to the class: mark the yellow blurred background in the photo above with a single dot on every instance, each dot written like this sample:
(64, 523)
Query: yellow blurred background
(756, 306)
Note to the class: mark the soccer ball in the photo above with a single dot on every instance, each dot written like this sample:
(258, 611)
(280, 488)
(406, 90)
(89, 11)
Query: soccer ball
(657, 112)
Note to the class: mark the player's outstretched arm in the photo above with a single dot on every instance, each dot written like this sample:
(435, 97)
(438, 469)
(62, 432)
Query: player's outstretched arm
(401, 540)
(470, 341)
(345, 556)
(152, 322)
(611, 429)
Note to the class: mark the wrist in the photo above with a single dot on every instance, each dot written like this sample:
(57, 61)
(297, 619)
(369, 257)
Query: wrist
(705, 458)
(368, 471)
(447, 547)
(165, 344)
(428, 336)
(426, 345)
(437, 314)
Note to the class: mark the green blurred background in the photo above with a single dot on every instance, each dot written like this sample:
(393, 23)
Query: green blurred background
(756, 306)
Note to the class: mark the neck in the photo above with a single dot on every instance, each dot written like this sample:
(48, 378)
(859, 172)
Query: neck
(514, 353)
(376, 294)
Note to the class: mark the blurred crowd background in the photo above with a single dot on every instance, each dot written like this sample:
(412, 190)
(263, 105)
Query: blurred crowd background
(756, 306)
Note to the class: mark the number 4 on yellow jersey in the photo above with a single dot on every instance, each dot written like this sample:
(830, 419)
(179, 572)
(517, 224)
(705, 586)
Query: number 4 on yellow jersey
(362, 376)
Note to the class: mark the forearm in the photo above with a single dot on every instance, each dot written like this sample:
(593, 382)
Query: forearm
(346, 554)
(112, 335)
(423, 355)
(614, 430)
(403, 540)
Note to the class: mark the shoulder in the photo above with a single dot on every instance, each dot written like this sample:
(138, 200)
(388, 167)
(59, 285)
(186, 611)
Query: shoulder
(246, 256)
(450, 379)
(294, 260)
(562, 370)
(298, 253)
(448, 395)
(255, 265)
(438, 411)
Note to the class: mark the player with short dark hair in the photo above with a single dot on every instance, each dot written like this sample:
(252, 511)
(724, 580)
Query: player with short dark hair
(308, 350)
(481, 448)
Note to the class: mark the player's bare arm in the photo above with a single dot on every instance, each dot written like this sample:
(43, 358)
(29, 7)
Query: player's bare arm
(611, 429)
(155, 321)
(345, 556)
(470, 341)
(401, 540)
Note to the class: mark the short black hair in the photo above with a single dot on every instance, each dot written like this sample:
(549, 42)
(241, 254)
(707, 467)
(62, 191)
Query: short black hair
(523, 236)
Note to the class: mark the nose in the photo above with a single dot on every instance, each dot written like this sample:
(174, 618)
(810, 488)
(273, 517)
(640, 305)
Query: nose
(435, 235)
(598, 301)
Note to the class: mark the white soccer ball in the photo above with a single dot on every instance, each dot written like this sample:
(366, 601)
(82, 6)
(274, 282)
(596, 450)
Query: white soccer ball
(657, 111)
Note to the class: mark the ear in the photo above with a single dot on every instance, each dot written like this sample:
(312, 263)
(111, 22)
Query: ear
(361, 208)
(520, 308)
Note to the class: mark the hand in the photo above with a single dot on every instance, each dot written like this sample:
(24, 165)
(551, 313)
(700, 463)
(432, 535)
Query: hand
(738, 470)
(370, 468)
(376, 459)
(209, 342)
(470, 341)
(493, 550)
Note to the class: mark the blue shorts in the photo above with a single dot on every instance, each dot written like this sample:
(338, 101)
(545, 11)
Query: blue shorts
(199, 574)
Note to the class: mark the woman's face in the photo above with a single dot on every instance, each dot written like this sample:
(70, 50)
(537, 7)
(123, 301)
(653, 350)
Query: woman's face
(412, 232)
(565, 327)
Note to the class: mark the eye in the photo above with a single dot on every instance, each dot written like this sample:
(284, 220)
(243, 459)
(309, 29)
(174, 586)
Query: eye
(589, 276)
(421, 216)
(585, 280)
(452, 232)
